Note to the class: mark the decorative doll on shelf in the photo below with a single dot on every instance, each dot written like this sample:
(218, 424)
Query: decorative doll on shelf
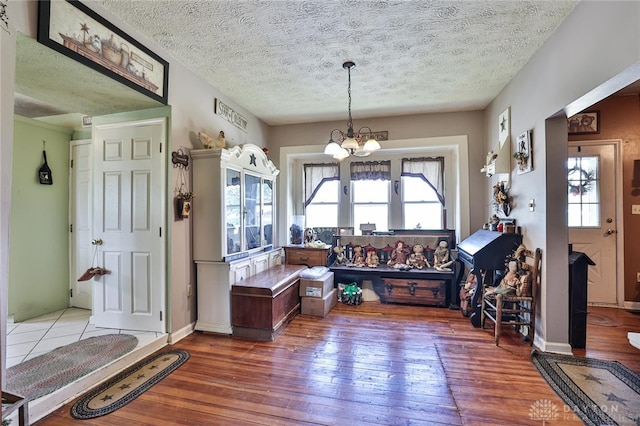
(340, 258)
(442, 257)
(372, 260)
(358, 257)
(398, 257)
(417, 259)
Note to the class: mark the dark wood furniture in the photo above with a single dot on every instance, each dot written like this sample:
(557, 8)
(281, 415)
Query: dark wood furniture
(11, 403)
(484, 252)
(310, 256)
(427, 287)
(262, 305)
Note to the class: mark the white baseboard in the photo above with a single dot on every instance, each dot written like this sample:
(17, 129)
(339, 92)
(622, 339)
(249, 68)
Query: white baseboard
(181, 334)
(634, 306)
(554, 347)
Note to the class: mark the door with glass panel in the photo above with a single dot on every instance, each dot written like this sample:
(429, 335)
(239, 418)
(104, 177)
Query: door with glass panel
(592, 215)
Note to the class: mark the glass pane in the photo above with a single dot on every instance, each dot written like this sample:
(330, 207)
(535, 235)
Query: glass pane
(416, 189)
(252, 211)
(575, 218)
(321, 215)
(422, 215)
(370, 213)
(232, 199)
(583, 178)
(370, 191)
(328, 192)
(267, 211)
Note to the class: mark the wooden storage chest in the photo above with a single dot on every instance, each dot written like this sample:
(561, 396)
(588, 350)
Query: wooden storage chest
(262, 305)
(415, 292)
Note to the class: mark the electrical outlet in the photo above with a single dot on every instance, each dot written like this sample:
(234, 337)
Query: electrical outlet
(190, 290)
(635, 209)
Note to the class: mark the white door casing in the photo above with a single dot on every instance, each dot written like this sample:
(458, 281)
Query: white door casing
(600, 242)
(129, 218)
(80, 222)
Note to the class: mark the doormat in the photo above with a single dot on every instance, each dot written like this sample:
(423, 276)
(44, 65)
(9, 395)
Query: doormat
(598, 392)
(128, 385)
(48, 372)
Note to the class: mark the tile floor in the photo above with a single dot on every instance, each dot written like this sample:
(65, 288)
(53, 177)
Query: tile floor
(39, 335)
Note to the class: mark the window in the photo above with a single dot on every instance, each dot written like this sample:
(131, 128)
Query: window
(584, 191)
(370, 182)
(420, 204)
(322, 186)
(422, 182)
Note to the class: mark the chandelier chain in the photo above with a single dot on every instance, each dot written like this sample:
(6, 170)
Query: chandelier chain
(350, 122)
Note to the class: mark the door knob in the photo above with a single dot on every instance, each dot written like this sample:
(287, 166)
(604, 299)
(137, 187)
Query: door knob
(97, 242)
(610, 231)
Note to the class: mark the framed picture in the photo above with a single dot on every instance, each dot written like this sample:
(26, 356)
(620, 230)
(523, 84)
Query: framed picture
(76, 31)
(523, 154)
(584, 123)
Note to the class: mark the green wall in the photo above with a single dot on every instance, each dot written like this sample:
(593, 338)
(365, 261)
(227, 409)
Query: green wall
(39, 230)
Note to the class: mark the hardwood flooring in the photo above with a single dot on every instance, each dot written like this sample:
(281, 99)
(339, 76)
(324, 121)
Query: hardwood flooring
(372, 364)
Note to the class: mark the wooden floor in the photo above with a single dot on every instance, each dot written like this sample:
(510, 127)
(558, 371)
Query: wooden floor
(371, 364)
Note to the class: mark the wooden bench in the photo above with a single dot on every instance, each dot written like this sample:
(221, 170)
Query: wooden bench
(262, 305)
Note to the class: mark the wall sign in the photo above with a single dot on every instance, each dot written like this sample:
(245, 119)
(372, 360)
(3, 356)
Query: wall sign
(230, 115)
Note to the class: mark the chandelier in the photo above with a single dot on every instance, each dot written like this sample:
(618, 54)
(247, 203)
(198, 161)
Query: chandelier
(359, 144)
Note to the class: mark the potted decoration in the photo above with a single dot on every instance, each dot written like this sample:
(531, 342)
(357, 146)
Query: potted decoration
(183, 204)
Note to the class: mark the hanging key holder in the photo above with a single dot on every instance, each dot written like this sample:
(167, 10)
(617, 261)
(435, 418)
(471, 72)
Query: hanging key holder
(44, 173)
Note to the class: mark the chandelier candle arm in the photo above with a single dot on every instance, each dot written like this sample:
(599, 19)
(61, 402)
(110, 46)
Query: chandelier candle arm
(360, 144)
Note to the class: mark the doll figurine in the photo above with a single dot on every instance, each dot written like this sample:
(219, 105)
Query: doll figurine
(399, 255)
(358, 257)
(417, 259)
(442, 257)
(372, 258)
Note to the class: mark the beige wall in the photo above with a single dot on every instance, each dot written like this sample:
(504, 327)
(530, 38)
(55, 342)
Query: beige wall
(559, 81)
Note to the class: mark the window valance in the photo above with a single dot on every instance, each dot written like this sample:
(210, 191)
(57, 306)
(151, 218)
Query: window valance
(371, 170)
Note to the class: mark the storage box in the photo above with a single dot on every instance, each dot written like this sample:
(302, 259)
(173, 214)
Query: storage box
(319, 307)
(317, 287)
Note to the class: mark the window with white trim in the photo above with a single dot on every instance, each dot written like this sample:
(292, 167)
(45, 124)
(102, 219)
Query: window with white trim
(322, 194)
(422, 182)
(370, 189)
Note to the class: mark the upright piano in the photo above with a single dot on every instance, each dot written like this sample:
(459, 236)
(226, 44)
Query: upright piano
(484, 252)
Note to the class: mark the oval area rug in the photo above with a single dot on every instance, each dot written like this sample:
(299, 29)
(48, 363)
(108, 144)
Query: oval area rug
(128, 385)
(45, 373)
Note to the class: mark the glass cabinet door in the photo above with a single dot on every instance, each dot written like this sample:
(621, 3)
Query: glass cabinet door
(233, 212)
(267, 211)
(252, 195)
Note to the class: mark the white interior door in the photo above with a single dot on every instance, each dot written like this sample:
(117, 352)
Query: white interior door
(81, 256)
(129, 206)
(592, 215)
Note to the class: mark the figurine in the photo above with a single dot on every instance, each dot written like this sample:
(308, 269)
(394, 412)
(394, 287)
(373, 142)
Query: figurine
(340, 258)
(221, 141)
(358, 257)
(398, 258)
(206, 140)
(310, 235)
(372, 260)
(417, 259)
(442, 257)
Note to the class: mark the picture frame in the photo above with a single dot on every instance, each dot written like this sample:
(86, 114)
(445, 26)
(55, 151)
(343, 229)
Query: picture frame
(524, 153)
(584, 123)
(76, 31)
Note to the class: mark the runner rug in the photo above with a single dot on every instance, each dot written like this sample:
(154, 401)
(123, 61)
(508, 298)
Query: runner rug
(128, 385)
(598, 392)
(46, 373)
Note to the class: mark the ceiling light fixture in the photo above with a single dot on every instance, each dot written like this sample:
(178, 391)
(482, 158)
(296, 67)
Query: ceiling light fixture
(358, 144)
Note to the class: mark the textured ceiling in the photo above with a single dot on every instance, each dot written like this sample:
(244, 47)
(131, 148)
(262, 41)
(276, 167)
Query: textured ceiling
(282, 59)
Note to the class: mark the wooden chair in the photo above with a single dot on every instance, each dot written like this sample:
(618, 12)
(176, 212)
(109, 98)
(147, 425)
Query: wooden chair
(517, 310)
